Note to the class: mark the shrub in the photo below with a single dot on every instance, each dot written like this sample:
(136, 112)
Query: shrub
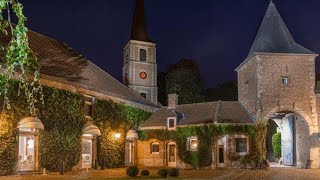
(276, 145)
(145, 172)
(132, 171)
(163, 173)
(174, 172)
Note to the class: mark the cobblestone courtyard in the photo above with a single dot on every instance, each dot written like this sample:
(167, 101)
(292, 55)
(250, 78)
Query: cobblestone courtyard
(274, 173)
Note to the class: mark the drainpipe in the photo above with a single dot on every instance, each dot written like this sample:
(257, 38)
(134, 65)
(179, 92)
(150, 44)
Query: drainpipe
(164, 154)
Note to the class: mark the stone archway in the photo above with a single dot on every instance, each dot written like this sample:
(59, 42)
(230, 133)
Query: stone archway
(295, 137)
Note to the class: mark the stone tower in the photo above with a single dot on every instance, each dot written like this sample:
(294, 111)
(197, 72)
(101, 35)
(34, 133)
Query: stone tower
(140, 67)
(277, 82)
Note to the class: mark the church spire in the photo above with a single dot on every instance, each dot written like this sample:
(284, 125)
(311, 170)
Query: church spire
(139, 27)
(274, 36)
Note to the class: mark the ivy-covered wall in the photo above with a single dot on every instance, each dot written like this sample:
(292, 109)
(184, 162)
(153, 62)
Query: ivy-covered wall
(63, 118)
(207, 136)
(114, 118)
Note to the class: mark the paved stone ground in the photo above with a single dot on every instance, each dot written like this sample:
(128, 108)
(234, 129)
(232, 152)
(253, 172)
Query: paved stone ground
(219, 174)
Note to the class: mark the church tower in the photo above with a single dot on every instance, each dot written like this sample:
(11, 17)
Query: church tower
(140, 67)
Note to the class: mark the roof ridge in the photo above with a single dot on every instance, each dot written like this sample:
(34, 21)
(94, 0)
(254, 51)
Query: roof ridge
(120, 83)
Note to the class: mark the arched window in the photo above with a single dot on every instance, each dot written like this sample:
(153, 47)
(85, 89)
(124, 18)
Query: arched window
(29, 129)
(143, 55)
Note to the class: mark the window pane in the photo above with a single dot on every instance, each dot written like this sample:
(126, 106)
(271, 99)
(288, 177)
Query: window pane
(155, 148)
(88, 110)
(171, 123)
(143, 55)
(193, 144)
(285, 81)
(241, 145)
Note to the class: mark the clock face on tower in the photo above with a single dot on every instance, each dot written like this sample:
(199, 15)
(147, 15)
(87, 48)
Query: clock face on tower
(143, 75)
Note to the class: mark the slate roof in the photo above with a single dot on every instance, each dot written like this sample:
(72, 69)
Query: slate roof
(274, 37)
(139, 25)
(201, 113)
(60, 61)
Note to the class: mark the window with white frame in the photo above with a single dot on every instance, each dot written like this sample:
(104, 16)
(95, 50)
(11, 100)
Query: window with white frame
(285, 81)
(193, 144)
(88, 107)
(155, 148)
(171, 123)
(242, 144)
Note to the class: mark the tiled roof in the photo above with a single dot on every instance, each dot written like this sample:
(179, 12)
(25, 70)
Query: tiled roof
(60, 61)
(274, 37)
(201, 113)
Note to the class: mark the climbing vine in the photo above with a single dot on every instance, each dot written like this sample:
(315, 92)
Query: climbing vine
(208, 135)
(19, 61)
(114, 118)
(63, 119)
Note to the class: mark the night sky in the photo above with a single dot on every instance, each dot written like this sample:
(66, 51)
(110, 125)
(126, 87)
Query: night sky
(216, 34)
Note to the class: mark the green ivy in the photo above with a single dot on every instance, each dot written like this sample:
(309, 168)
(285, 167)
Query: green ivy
(207, 136)
(63, 118)
(276, 144)
(114, 118)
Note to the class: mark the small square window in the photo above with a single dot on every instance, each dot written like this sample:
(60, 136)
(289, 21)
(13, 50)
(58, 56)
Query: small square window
(155, 148)
(285, 81)
(193, 144)
(171, 123)
(241, 145)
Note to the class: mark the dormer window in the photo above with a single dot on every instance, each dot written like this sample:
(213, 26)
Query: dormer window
(143, 55)
(88, 107)
(171, 123)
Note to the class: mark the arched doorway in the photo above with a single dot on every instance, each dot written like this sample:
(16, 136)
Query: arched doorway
(28, 157)
(90, 133)
(295, 138)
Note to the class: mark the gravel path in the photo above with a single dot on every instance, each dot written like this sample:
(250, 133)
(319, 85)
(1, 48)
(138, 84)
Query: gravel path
(219, 174)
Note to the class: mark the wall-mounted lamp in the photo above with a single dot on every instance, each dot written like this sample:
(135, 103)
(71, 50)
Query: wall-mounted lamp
(117, 135)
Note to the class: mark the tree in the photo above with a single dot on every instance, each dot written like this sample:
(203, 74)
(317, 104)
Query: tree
(227, 91)
(184, 79)
(20, 62)
(276, 145)
(162, 92)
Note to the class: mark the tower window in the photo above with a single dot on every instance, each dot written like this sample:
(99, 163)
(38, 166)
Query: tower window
(285, 81)
(143, 94)
(143, 55)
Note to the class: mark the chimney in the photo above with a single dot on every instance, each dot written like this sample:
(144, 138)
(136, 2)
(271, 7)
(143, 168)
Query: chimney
(173, 101)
